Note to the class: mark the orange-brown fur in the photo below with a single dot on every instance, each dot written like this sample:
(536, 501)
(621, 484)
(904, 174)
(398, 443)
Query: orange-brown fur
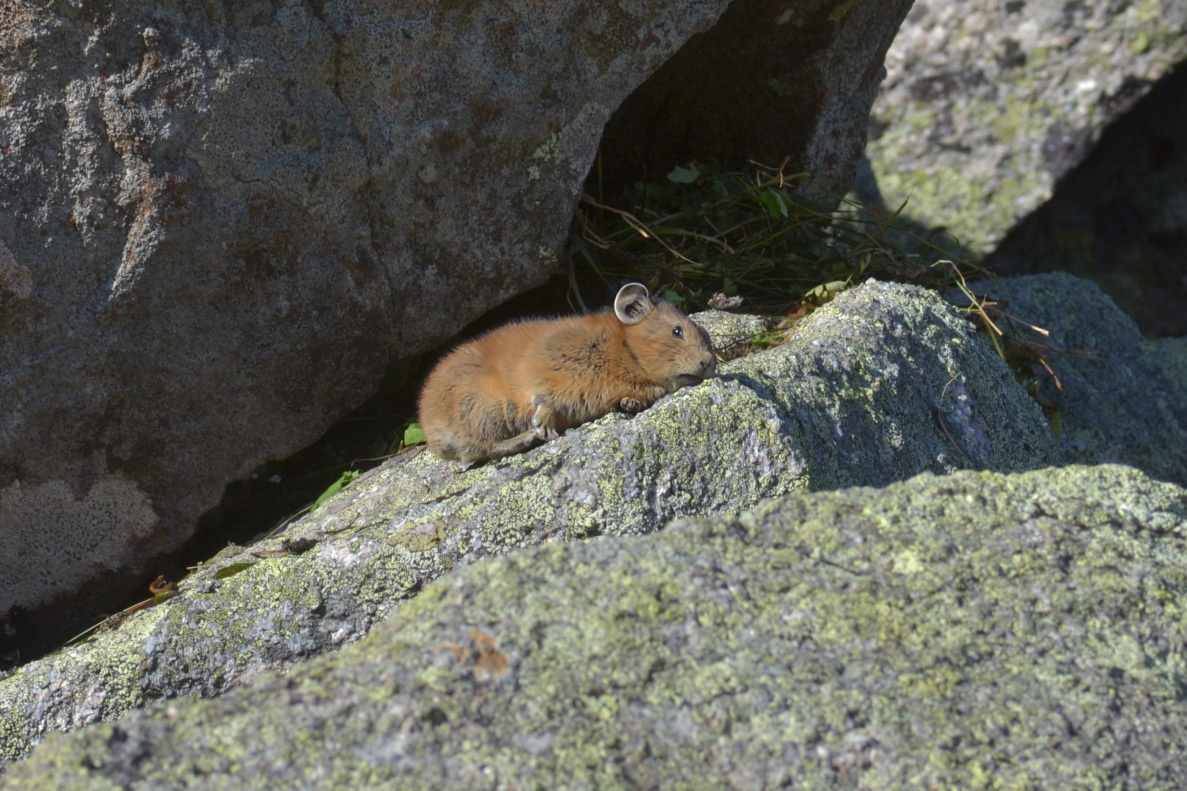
(525, 383)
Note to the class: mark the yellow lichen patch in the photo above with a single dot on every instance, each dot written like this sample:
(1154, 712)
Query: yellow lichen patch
(52, 534)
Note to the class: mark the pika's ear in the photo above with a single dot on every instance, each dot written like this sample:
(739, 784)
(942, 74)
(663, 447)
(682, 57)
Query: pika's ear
(633, 303)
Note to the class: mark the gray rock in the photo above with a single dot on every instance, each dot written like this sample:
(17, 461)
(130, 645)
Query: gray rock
(884, 382)
(220, 222)
(1123, 399)
(733, 334)
(946, 632)
(1120, 216)
(1170, 355)
(987, 104)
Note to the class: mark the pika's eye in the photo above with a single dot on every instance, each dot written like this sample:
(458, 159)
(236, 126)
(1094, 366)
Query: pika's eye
(678, 331)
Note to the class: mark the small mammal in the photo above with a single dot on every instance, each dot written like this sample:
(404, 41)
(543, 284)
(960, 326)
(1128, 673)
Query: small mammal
(527, 383)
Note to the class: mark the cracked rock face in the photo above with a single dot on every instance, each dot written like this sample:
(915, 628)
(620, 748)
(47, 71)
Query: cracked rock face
(219, 223)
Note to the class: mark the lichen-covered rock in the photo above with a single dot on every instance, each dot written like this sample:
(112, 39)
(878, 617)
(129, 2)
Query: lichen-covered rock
(987, 104)
(1120, 398)
(733, 334)
(1120, 216)
(969, 631)
(883, 383)
(219, 223)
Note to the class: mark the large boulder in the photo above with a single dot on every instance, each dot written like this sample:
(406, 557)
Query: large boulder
(969, 631)
(988, 104)
(220, 222)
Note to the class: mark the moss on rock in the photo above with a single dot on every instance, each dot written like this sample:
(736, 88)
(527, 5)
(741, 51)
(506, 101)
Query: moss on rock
(987, 105)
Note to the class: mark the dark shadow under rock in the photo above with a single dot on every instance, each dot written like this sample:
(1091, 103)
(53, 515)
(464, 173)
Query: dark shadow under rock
(767, 82)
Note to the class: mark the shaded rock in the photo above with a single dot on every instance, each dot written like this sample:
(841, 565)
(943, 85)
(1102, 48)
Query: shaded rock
(1123, 399)
(884, 382)
(219, 223)
(1170, 355)
(987, 104)
(936, 633)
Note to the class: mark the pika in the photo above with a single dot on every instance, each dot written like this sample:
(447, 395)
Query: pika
(527, 383)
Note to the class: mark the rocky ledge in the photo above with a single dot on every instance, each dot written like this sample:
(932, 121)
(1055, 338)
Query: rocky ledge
(886, 382)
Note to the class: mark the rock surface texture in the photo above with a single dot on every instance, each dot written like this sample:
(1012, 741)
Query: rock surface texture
(1122, 398)
(987, 104)
(975, 630)
(220, 222)
(885, 382)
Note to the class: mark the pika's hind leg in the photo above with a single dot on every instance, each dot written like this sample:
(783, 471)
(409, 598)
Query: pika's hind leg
(454, 446)
(517, 444)
(543, 429)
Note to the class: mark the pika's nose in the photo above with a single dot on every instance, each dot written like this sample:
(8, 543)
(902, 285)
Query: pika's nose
(708, 365)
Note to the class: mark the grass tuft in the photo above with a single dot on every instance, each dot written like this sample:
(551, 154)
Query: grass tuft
(708, 237)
